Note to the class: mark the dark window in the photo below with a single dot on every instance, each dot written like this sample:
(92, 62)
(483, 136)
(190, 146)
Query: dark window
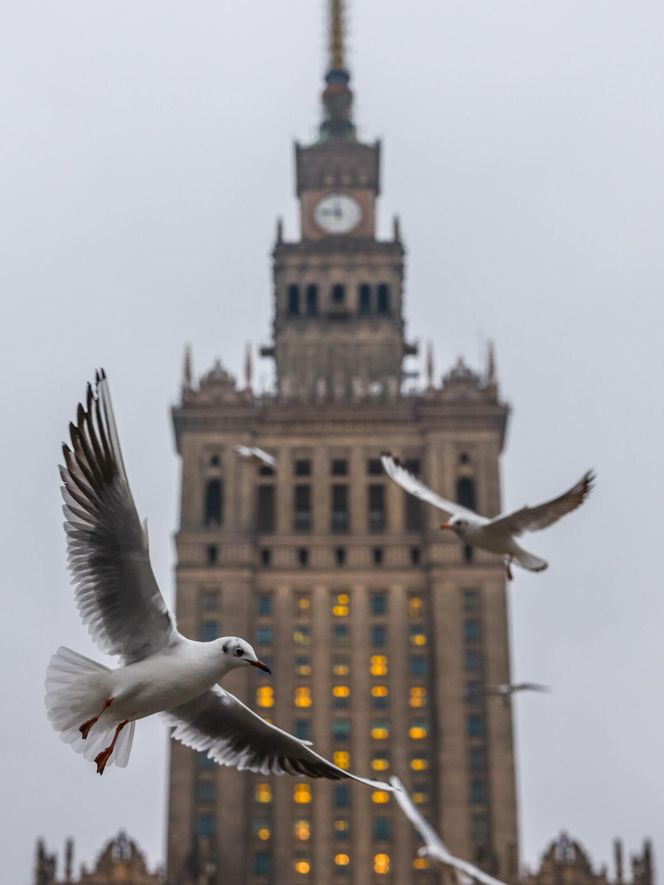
(479, 829)
(382, 829)
(212, 554)
(415, 555)
(472, 660)
(340, 555)
(364, 300)
(380, 701)
(341, 729)
(418, 665)
(379, 603)
(265, 508)
(338, 293)
(210, 600)
(341, 795)
(340, 634)
(340, 703)
(475, 725)
(340, 515)
(293, 300)
(472, 630)
(303, 557)
(477, 791)
(383, 305)
(262, 863)
(464, 458)
(312, 299)
(215, 461)
(473, 692)
(302, 467)
(477, 759)
(414, 508)
(302, 508)
(264, 605)
(379, 635)
(264, 636)
(468, 554)
(377, 516)
(339, 467)
(205, 825)
(204, 763)
(205, 791)
(266, 557)
(209, 629)
(377, 554)
(471, 598)
(265, 470)
(214, 503)
(375, 467)
(465, 492)
(303, 729)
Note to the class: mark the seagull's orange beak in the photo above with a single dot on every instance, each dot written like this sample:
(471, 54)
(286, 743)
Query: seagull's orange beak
(445, 525)
(260, 666)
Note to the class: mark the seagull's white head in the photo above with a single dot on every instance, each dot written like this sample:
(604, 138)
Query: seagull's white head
(458, 524)
(238, 652)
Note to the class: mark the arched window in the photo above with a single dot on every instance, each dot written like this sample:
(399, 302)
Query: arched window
(338, 293)
(383, 305)
(312, 299)
(214, 503)
(293, 300)
(364, 300)
(465, 492)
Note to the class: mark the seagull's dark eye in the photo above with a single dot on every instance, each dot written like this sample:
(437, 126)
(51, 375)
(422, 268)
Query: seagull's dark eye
(238, 652)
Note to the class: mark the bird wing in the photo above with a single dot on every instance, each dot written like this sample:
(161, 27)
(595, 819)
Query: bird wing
(253, 452)
(107, 549)
(433, 843)
(530, 686)
(218, 723)
(530, 519)
(399, 473)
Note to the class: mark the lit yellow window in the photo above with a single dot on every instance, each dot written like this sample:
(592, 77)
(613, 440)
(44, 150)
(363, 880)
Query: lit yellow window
(415, 606)
(301, 636)
(263, 793)
(302, 794)
(342, 759)
(341, 669)
(380, 797)
(380, 763)
(340, 605)
(265, 696)
(418, 696)
(380, 731)
(341, 825)
(302, 867)
(341, 860)
(421, 863)
(264, 833)
(341, 691)
(379, 691)
(381, 863)
(419, 764)
(378, 666)
(303, 669)
(419, 798)
(302, 696)
(303, 604)
(418, 732)
(302, 830)
(418, 637)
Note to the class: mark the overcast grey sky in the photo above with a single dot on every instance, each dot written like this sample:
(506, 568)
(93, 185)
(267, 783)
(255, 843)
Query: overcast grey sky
(145, 152)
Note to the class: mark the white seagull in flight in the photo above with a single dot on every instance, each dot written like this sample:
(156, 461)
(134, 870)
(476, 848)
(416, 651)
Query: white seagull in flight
(497, 535)
(253, 453)
(95, 708)
(433, 845)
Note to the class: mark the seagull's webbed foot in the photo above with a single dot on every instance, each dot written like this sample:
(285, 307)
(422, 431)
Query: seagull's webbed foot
(85, 728)
(102, 758)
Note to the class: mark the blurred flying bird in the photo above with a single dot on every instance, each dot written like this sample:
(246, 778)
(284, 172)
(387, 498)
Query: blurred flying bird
(253, 453)
(95, 708)
(433, 845)
(495, 535)
(506, 689)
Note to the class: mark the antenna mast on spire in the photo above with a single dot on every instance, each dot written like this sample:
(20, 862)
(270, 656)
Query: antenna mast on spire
(337, 35)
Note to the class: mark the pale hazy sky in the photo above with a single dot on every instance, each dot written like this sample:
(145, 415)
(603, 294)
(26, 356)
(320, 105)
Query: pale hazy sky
(145, 152)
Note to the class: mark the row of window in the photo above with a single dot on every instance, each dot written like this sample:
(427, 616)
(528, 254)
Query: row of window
(302, 866)
(213, 555)
(340, 606)
(304, 300)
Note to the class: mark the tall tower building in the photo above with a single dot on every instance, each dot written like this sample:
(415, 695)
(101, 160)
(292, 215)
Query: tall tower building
(380, 630)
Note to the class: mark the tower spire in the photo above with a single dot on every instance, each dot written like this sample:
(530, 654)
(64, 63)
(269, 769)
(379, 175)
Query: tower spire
(337, 36)
(337, 95)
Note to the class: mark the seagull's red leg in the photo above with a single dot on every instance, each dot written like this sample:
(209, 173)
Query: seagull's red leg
(85, 728)
(102, 758)
(508, 568)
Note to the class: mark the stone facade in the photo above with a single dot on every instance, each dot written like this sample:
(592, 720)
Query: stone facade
(565, 862)
(120, 861)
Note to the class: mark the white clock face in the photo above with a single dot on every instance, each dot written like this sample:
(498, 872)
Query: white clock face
(337, 213)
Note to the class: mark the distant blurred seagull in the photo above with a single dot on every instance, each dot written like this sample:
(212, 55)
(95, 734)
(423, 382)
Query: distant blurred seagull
(505, 690)
(94, 708)
(252, 453)
(495, 535)
(433, 845)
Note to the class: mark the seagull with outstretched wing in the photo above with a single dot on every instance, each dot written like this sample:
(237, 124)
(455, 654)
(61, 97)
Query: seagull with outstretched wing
(95, 708)
(497, 535)
(433, 845)
(259, 456)
(506, 689)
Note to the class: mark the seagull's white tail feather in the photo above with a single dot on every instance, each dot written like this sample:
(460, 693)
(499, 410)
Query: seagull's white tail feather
(529, 561)
(76, 690)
